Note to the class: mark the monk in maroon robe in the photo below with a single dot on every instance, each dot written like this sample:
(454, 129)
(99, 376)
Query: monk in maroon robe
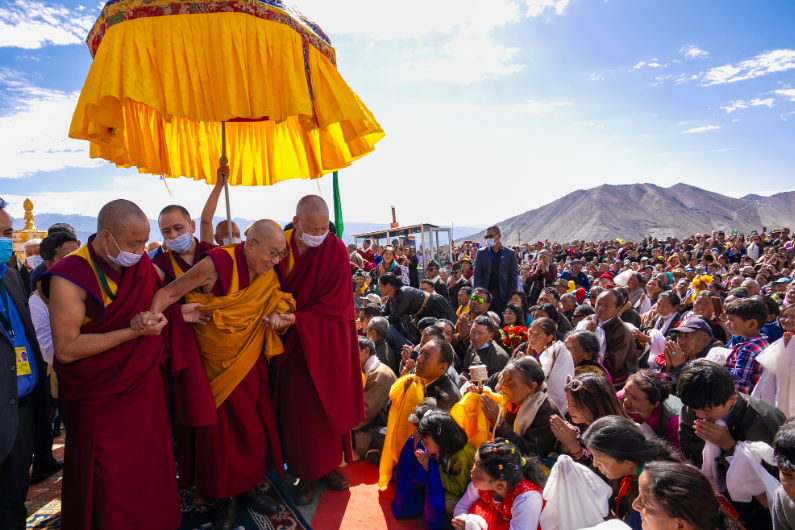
(112, 358)
(319, 394)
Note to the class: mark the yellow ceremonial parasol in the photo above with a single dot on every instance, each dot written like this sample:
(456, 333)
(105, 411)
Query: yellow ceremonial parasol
(177, 84)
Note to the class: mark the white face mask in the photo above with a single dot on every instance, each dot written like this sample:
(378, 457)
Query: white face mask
(125, 259)
(33, 261)
(180, 244)
(312, 241)
(491, 242)
(235, 241)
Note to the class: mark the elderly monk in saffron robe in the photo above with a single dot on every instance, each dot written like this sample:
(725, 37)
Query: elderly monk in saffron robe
(237, 285)
(111, 357)
(319, 396)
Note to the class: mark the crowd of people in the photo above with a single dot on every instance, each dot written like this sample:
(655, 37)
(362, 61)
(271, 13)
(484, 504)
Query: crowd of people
(647, 368)
(650, 371)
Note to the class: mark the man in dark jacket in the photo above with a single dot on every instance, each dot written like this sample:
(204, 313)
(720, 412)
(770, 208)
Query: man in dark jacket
(432, 364)
(620, 356)
(457, 281)
(432, 275)
(492, 355)
(497, 269)
(24, 386)
(708, 393)
(377, 330)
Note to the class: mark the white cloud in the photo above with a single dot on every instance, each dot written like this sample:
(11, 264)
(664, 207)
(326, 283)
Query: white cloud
(693, 52)
(31, 24)
(595, 77)
(637, 66)
(34, 129)
(788, 93)
(536, 7)
(701, 129)
(740, 104)
(763, 64)
(655, 65)
(736, 119)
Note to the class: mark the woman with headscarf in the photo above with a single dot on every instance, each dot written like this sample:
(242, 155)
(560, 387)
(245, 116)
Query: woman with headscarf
(552, 355)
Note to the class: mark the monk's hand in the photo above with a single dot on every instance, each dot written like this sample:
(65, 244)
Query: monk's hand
(222, 175)
(157, 321)
(145, 320)
(490, 409)
(422, 458)
(192, 315)
(717, 434)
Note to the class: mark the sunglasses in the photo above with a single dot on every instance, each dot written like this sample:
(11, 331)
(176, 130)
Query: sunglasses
(478, 299)
(573, 384)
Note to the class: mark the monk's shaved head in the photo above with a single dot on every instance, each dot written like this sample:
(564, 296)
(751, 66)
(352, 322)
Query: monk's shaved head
(311, 204)
(266, 230)
(117, 215)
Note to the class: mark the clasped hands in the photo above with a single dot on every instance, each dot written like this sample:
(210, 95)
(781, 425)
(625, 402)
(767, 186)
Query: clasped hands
(712, 432)
(148, 323)
(277, 321)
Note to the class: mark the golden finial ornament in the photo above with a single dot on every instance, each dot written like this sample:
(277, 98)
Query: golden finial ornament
(28, 215)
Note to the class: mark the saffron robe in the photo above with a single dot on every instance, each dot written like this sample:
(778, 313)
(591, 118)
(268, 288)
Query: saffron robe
(319, 397)
(119, 461)
(235, 453)
(174, 266)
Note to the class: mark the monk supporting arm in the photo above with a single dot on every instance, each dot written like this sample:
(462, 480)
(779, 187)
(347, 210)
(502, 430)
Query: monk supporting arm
(203, 275)
(67, 312)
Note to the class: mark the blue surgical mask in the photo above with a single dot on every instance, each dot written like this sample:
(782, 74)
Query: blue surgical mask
(6, 249)
(180, 244)
(125, 259)
(312, 241)
(33, 261)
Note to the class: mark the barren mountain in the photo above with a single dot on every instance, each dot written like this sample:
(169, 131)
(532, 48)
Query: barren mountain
(633, 211)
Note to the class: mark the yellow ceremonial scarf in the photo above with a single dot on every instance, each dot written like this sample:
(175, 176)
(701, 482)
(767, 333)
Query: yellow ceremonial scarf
(288, 263)
(461, 309)
(234, 339)
(84, 253)
(398, 427)
(468, 414)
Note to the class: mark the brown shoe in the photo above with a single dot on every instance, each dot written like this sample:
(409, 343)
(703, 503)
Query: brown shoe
(336, 481)
(304, 492)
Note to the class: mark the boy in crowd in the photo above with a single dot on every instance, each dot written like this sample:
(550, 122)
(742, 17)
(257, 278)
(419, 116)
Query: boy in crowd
(783, 506)
(714, 411)
(747, 316)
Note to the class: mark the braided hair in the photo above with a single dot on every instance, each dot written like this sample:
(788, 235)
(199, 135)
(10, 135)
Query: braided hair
(501, 460)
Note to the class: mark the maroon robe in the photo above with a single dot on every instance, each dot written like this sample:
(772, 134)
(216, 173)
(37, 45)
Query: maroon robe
(319, 394)
(163, 260)
(184, 436)
(119, 463)
(234, 454)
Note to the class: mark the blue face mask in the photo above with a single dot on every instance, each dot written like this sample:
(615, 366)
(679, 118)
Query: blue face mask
(180, 244)
(6, 249)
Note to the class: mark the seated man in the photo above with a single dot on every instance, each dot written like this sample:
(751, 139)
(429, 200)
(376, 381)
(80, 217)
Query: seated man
(714, 411)
(378, 380)
(693, 341)
(620, 355)
(377, 330)
(490, 354)
(428, 334)
(432, 364)
(747, 316)
(479, 304)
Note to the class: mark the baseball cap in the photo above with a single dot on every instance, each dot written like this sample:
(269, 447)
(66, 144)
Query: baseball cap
(693, 324)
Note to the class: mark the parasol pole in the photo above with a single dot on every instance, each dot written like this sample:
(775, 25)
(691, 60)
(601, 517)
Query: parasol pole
(225, 160)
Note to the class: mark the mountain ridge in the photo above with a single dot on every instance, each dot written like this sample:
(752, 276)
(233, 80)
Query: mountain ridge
(632, 211)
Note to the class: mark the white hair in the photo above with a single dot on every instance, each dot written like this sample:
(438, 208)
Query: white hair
(32, 242)
(749, 281)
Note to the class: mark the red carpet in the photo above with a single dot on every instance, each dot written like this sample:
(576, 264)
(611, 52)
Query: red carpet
(363, 506)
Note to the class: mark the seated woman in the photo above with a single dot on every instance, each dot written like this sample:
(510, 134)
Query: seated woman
(679, 496)
(552, 355)
(648, 399)
(526, 422)
(584, 348)
(410, 302)
(519, 299)
(549, 311)
(589, 397)
(446, 441)
(620, 451)
(506, 489)
(513, 316)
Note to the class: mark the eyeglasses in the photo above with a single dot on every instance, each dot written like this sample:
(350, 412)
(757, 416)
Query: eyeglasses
(478, 299)
(273, 255)
(573, 384)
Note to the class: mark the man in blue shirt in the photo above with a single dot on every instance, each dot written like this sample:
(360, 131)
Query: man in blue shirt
(24, 395)
(576, 275)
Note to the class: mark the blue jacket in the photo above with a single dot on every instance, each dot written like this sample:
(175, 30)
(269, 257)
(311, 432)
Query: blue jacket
(509, 271)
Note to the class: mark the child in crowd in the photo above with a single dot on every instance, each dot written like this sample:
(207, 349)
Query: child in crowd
(446, 441)
(747, 317)
(506, 489)
(784, 505)
(714, 417)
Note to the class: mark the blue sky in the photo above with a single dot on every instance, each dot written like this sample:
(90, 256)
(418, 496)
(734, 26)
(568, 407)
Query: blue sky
(490, 107)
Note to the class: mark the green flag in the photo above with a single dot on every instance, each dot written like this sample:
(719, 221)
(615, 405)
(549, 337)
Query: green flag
(338, 207)
(734, 230)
